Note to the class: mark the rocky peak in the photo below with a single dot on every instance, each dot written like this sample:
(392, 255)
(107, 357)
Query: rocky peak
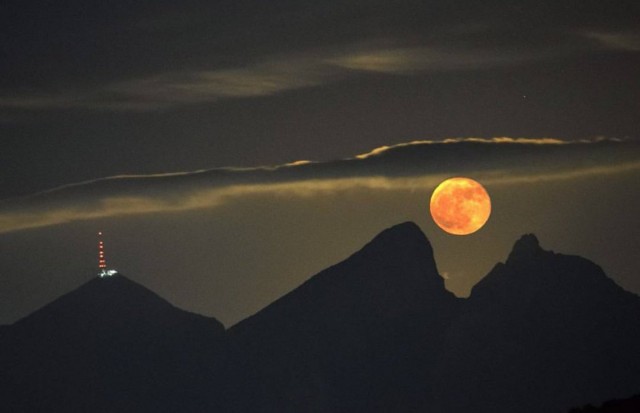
(525, 249)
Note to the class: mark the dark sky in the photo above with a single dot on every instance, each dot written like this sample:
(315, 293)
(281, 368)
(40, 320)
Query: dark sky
(90, 90)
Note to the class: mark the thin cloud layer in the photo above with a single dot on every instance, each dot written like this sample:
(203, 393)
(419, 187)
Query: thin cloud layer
(222, 50)
(628, 41)
(407, 61)
(404, 167)
(256, 80)
(312, 68)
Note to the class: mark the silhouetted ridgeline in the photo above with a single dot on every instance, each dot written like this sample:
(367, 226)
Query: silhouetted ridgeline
(378, 332)
(630, 405)
(361, 336)
(111, 346)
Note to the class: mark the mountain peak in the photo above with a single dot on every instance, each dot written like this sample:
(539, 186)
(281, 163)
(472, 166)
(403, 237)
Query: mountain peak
(109, 301)
(111, 345)
(533, 274)
(404, 233)
(406, 236)
(403, 246)
(525, 248)
(394, 273)
(109, 294)
(527, 241)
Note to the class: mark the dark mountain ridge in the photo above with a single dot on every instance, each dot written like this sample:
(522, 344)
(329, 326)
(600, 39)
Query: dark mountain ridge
(377, 332)
(548, 328)
(359, 336)
(110, 345)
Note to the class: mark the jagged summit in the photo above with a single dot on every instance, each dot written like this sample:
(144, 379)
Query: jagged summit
(527, 244)
(531, 273)
(361, 335)
(401, 247)
(404, 232)
(551, 329)
(377, 332)
(525, 248)
(395, 270)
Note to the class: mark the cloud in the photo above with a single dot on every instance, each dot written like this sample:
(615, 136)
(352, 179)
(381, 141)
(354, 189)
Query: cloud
(264, 78)
(57, 101)
(527, 141)
(625, 41)
(332, 40)
(312, 68)
(414, 166)
(421, 59)
(177, 89)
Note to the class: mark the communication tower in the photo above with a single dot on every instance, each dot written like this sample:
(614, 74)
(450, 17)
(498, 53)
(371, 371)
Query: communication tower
(103, 271)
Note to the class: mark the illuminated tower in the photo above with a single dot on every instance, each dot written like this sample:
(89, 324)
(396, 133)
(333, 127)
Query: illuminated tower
(102, 260)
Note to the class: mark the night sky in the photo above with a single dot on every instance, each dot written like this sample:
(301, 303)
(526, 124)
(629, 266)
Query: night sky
(177, 129)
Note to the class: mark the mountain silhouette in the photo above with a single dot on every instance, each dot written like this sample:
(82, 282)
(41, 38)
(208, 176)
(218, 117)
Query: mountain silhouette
(110, 345)
(377, 332)
(361, 336)
(542, 332)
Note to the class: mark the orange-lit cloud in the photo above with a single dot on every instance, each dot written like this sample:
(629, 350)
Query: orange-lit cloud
(419, 59)
(528, 141)
(415, 166)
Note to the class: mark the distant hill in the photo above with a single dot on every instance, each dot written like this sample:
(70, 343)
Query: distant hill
(110, 345)
(378, 332)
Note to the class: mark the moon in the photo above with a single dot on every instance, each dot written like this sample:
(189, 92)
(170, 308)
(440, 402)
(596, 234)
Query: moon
(460, 206)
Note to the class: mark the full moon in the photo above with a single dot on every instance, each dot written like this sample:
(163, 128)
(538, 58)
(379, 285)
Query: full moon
(460, 206)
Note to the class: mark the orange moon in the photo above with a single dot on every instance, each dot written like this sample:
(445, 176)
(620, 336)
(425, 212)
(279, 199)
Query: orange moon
(460, 206)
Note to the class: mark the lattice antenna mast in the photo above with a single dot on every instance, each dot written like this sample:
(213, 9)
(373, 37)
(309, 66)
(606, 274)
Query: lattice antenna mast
(102, 260)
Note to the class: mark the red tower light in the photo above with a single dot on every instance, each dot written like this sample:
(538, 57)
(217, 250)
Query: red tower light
(102, 260)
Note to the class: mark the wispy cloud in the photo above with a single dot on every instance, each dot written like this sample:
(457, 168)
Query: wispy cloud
(384, 37)
(265, 78)
(283, 73)
(625, 41)
(176, 89)
(525, 141)
(404, 167)
(421, 59)
(34, 102)
(262, 79)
